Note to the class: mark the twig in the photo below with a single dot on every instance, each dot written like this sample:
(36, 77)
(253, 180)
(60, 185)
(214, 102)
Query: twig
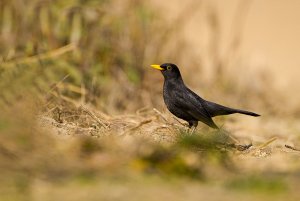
(184, 125)
(228, 135)
(52, 88)
(267, 143)
(58, 83)
(242, 147)
(292, 148)
(71, 87)
(93, 116)
(160, 114)
(141, 110)
(65, 98)
(38, 57)
(137, 126)
(140, 124)
(161, 127)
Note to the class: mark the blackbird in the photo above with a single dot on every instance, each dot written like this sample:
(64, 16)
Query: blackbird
(187, 105)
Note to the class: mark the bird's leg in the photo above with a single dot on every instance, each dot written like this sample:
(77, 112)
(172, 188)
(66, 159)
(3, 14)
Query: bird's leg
(193, 130)
(189, 126)
(193, 124)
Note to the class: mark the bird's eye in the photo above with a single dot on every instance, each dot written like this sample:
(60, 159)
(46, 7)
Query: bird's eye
(169, 67)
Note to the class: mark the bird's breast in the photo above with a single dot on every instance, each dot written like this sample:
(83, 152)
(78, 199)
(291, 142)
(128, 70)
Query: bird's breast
(173, 97)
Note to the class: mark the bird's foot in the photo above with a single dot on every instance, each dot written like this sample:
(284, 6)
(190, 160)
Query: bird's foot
(191, 130)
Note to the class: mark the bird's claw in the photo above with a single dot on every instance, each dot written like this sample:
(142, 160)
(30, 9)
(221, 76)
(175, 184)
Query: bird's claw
(191, 130)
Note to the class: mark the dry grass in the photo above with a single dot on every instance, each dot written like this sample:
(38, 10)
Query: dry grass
(149, 151)
(66, 145)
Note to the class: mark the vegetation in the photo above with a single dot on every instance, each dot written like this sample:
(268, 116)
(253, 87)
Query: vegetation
(78, 118)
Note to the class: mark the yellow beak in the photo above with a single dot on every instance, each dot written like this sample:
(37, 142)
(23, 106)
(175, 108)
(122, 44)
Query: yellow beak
(157, 67)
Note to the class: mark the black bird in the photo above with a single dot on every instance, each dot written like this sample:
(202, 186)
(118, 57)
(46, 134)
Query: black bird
(187, 105)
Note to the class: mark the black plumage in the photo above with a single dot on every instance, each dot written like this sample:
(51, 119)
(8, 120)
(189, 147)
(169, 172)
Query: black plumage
(187, 105)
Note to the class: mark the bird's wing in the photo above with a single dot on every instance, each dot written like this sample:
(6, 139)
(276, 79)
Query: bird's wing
(194, 106)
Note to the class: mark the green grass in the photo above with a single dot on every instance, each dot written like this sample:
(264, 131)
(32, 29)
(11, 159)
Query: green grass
(259, 184)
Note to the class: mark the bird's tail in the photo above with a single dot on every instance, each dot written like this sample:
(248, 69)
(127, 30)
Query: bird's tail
(215, 109)
(245, 112)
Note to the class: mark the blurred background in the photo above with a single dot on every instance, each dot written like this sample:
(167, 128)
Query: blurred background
(77, 97)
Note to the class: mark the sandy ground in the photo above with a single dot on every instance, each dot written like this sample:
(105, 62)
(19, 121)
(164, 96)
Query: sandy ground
(268, 158)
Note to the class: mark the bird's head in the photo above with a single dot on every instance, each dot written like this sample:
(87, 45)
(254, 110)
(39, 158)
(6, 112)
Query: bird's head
(169, 70)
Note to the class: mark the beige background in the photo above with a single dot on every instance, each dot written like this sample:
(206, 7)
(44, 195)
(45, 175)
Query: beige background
(271, 34)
